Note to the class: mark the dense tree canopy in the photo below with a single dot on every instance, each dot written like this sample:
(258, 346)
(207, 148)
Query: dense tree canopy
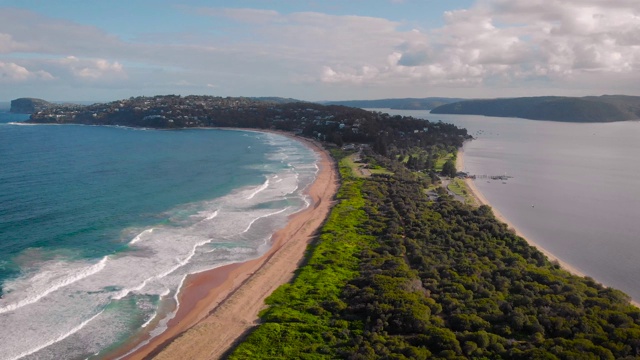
(395, 275)
(449, 168)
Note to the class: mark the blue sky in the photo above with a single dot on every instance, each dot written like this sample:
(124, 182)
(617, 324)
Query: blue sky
(318, 50)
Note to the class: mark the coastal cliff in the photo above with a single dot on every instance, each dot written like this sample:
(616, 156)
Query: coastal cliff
(29, 105)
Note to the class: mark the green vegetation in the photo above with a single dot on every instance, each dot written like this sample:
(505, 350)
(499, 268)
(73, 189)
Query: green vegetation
(449, 169)
(585, 109)
(397, 276)
(356, 167)
(439, 165)
(394, 274)
(299, 320)
(360, 169)
(380, 171)
(459, 187)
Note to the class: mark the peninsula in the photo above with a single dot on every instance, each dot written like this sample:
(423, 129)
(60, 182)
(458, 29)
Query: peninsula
(399, 104)
(606, 108)
(400, 269)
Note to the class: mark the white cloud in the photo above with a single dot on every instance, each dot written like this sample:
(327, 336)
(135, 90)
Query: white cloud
(494, 41)
(91, 69)
(14, 73)
(517, 39)
(29, 32)
(506, 42)
(558, 43)
(7, 44)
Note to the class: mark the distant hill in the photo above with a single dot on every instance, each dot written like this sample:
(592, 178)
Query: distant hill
(606, 108)
(398, 104)
(275, 100)
(29, 105)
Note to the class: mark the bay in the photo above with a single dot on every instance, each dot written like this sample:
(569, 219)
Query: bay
(100, 225)
(574, 189)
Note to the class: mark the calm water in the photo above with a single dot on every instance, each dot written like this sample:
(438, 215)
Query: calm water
(581, 178)
(100, 225)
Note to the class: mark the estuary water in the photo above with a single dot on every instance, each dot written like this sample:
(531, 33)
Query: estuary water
(575, 188)
(100, 225)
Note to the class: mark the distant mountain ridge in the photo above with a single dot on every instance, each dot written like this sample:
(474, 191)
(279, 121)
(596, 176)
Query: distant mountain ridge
(605, 108)
(276, 99)
(397, 104)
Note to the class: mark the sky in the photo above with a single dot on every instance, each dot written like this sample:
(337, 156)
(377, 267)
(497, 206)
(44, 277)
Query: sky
(86, 50)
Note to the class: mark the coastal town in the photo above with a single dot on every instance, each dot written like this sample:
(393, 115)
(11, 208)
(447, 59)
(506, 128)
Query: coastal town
(338, 125)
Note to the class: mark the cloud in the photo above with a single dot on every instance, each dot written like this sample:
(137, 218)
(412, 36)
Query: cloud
(250, 16)
(556, 40)
(7, 44)
(503, 42)
(90, 69)
(14, 73)
(495, 43)
(29, 32)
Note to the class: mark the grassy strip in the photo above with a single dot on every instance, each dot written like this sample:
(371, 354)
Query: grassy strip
(380, 171)
(459, 187)
(349, 161)
(443, 159)
(298, 322)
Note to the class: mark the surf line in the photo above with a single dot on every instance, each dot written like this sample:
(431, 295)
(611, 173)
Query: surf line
(93, 269)
(264, 216)
(261, 188)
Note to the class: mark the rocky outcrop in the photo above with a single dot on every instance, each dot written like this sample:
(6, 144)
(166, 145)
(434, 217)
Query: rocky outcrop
(29, 105)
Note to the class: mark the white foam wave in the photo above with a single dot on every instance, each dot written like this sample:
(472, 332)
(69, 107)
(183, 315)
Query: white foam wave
(21, 124)
(215, 213)
(164, 293)
(162, 259)
(177, 293)
(139, 236)
(264, 216)
(153, 316)
(259, 189)
(91, 270)
(180, 263)
(58, 339)
(292, 191)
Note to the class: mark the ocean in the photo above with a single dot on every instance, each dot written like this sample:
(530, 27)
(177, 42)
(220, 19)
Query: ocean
(100, 225)
(574, 189)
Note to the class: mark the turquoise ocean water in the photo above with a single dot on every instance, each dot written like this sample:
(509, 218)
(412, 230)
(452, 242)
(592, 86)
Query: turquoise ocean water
(100, 225)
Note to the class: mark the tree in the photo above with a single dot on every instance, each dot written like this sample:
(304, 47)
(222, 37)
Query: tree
(449, 168)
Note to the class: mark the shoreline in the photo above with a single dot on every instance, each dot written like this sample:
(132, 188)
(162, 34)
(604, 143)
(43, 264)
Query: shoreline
(220, 305)
(481, 200)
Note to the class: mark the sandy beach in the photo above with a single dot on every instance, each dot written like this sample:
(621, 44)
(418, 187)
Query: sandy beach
(481, 200)
(218, 306)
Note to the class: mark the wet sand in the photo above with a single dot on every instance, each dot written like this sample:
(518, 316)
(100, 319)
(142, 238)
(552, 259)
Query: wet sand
(219, 306)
